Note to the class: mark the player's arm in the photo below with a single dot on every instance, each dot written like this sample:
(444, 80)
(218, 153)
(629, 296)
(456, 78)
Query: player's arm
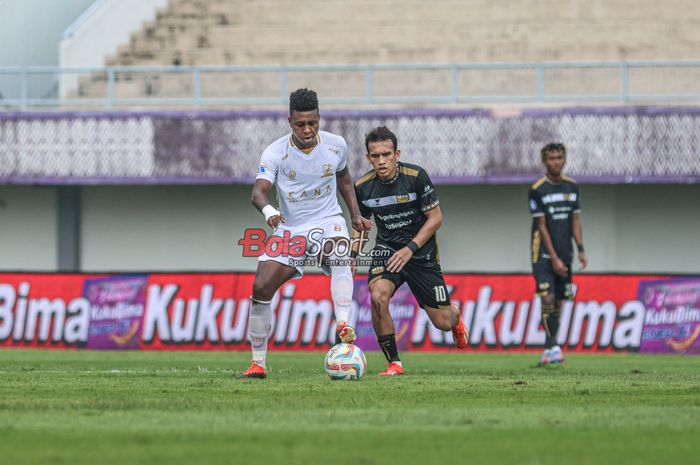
(557, 264)
(399, 259)
(578, 237)
(258, 198)
(347, 191)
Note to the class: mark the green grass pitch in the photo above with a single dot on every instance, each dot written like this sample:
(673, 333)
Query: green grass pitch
(67, 407)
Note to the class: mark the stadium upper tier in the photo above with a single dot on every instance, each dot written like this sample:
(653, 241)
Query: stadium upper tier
(371, 32)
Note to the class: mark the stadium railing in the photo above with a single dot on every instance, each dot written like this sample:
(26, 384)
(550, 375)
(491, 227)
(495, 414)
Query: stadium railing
(633, 82)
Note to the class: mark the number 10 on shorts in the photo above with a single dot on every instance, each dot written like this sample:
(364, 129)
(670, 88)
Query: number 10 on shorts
(440, 293)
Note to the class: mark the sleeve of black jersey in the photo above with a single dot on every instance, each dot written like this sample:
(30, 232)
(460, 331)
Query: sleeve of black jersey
(577, 203)
(364, 210)
(427, 197)
(536, 207)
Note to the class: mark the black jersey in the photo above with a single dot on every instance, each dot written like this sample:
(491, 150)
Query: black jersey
(557, 203)
(398, 206)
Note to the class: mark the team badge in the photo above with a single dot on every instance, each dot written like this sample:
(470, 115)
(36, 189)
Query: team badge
(327, 170)
(402, 198)
(292, 175)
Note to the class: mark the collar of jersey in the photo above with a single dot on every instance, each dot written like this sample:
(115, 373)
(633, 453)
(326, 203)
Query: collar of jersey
(396, 176)
(318, 142)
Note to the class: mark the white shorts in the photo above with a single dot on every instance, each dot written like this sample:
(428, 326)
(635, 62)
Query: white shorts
(315, 234)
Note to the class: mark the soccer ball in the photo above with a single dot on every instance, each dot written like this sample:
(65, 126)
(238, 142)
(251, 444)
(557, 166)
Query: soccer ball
(346, 361)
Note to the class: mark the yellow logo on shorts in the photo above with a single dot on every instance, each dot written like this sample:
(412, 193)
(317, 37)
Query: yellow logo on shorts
(543, 286)
(337, 227)
(377, 270)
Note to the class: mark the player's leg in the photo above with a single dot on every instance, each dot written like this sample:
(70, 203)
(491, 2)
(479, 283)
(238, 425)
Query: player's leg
(336, 262)
(545, 289)
(381, 290)
(427, 283)
(563, 290)
(269, 276)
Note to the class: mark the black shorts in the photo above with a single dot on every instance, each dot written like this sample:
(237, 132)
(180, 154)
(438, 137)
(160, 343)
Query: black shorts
(424, 278)
(548, 282)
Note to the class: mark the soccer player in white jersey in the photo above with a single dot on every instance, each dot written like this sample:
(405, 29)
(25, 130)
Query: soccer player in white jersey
(308, 167)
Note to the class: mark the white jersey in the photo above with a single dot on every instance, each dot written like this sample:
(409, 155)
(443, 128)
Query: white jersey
(306, 184)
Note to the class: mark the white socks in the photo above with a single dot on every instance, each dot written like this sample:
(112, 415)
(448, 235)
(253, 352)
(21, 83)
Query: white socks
(341, 291)
(259, 325)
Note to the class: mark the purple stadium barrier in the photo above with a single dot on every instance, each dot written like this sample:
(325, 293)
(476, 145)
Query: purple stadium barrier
(606, 145)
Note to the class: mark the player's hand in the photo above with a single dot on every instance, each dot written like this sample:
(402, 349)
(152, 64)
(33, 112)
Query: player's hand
(398, 260)
(275, 221)
(559, 267)
(361, 224)
(583, 260)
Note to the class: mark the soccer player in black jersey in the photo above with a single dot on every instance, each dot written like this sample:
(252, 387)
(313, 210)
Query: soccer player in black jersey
(556, 213)
(407, 214)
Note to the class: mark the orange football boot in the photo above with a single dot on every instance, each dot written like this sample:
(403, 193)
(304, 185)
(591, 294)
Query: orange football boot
(393, 369)
(461, 335)
(254, 372)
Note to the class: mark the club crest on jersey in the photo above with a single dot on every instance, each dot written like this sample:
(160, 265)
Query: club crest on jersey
(327, 170)
(403, 198)
(292, 175)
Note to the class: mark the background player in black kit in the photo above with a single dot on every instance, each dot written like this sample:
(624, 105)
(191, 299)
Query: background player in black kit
(556, 212)
(407, 214)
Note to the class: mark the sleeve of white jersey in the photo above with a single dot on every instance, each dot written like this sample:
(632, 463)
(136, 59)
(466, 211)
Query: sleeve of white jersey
(269, 164)
(343, 162)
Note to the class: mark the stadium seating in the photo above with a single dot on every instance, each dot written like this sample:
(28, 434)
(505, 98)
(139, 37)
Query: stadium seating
(242, 32)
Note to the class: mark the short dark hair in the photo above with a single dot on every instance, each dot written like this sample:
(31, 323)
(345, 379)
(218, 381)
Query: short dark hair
(379, 134)
(552, 147)
(303, 100)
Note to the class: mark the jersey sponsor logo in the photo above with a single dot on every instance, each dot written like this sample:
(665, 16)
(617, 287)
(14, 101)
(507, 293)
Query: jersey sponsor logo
(390, 200)
(400, 224)
(327, 170)
(307, 195)
(559, 197)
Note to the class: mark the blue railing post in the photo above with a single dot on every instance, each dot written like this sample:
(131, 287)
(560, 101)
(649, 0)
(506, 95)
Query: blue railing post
(284, 84)
(454, 87)
(24, 88)
(369, 84)
(625, 82)
(197, 75)
(540, 82)
(110, 88)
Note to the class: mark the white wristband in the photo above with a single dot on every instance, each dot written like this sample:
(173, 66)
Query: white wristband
(269, 211)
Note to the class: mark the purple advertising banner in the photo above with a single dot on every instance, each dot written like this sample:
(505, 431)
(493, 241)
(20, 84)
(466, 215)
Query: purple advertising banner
(116, 310)
(672, 319)
(402, 307)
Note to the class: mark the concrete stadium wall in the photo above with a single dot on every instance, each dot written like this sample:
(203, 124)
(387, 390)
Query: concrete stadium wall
(28, 228)
(627, 228)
